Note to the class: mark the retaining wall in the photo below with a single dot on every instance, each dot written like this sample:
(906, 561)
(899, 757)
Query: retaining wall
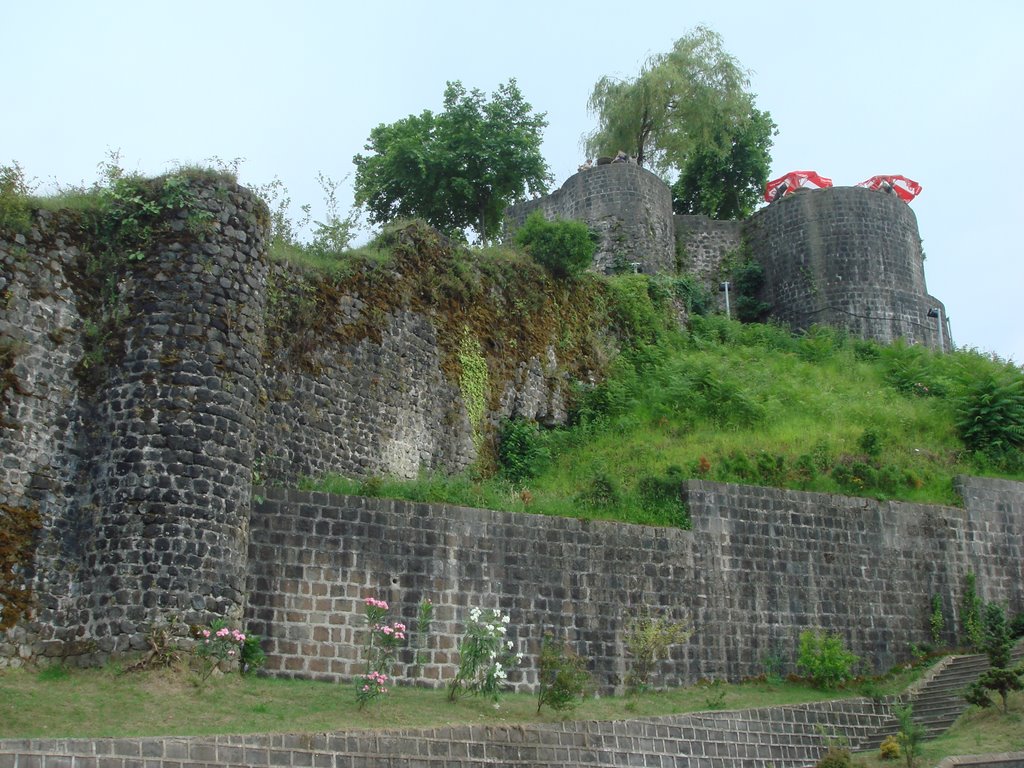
(760, 566)
(784, 737)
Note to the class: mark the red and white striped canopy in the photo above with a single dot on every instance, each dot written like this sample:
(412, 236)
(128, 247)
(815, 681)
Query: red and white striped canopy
(792, 181)
(906, 189)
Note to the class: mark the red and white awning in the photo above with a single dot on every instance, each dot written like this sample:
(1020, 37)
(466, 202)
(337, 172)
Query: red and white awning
(792, 181)
(906, 189)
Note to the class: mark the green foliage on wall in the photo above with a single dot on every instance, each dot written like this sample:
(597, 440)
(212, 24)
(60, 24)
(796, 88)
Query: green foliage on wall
(474, 383)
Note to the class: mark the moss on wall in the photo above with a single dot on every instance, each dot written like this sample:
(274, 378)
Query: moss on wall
(17, 553)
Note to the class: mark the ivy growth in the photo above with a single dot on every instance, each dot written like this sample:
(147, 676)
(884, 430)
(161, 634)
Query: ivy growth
(474, 383)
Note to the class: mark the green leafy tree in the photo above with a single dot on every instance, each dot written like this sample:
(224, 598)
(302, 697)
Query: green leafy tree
(725, 179)
(685, 101)
(457, 169)
(997, 642)
(910, 735)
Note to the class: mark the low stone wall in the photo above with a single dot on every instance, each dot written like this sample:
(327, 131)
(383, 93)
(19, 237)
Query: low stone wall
(783, 737)
(760, 566)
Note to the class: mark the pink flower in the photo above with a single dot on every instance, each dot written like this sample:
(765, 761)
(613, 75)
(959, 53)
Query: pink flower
(206, 633)
(399, 626)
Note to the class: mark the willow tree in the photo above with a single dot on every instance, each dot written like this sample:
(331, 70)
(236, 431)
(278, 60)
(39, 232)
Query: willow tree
(689, 100)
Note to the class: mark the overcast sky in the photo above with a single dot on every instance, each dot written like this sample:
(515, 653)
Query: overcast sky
(932, 90)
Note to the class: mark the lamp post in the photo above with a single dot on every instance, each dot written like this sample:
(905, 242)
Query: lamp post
(725, 287)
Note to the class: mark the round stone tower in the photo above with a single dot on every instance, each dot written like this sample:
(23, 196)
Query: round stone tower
(848, 257)
(174, 422)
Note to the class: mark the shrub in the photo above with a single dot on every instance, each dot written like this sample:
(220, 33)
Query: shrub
(647, 641)
(562, 676)
(910, 735)
(890, 748)
(824, 659)
(990, 416)
(565, 248)
(836, 757)
(485, 656)
(521, 450)
(15, 215)
(1017, 625)
(661, 495)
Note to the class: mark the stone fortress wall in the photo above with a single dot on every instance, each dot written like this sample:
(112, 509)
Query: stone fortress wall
(843, 256)
(141, 464)
(629, 207)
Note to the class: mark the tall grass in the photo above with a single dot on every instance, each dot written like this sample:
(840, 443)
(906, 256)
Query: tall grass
(742, 403)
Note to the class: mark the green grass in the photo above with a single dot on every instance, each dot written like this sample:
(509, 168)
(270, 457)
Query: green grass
(739, 403)
(57, 702)
(978, 731)
(103, 703)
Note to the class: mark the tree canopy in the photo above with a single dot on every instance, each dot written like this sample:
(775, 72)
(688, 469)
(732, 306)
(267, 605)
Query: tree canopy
(727, 184)
(458, 169)
(689, 112)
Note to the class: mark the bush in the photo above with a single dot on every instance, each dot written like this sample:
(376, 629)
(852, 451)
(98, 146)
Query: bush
(562, 676)
(890, 748)
(647, 641)
(990, 416)
(565, 248)
(836, 757)
(15, 215)
(521, 450)
(824, 659)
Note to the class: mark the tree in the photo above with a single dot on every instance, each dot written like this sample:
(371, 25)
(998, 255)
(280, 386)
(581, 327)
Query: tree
(459, 168)
(997, 643)
(680, 102)
(727, 184)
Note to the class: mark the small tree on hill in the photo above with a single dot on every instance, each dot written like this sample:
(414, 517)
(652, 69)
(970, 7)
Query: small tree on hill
(459, 168)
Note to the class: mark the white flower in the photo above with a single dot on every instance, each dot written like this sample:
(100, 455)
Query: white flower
(505, 619)
(474, 614)
(509, 644)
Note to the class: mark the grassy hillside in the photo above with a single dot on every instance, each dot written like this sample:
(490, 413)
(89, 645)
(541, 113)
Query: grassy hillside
(747, 403)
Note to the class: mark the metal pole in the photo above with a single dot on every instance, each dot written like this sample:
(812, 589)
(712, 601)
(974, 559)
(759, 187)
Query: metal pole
(725, 287)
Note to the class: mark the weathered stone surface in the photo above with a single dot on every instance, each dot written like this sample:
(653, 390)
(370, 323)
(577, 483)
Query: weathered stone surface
(760, 566)
(847, 257)
(630, 208)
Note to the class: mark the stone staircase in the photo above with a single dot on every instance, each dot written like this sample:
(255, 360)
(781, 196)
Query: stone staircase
(938, 701)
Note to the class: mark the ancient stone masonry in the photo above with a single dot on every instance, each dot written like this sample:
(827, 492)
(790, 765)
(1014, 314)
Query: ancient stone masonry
(135, 436)
(847, 257)
(630, 209)
(135, 433)
(760, 566)
(844, 256)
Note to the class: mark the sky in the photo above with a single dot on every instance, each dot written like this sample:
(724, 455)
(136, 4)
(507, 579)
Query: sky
(932, 90)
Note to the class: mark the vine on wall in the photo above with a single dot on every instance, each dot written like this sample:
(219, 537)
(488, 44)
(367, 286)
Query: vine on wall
(474, 383)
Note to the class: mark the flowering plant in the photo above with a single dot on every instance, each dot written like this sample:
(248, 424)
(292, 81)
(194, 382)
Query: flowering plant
(382, 642)
(217, 644)
(485, 656)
